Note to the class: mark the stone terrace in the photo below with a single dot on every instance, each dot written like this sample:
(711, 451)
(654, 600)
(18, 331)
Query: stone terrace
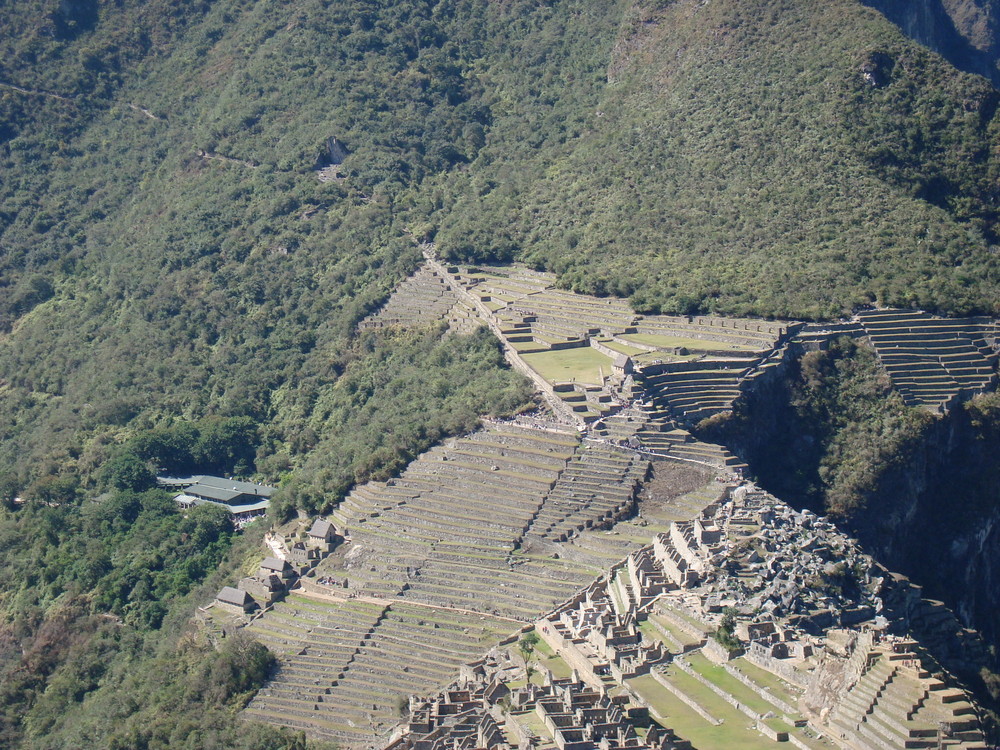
(697, 390)
(355, 662)
(454, 519)
(742, 333)
(598, 487)
(692, 389)
(933, 360)
(318, 640)
(422, 299)
(536, 316)
(448, 558)
(897, 704)
(645, 429)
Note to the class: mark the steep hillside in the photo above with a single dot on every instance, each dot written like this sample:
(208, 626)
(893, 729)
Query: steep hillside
(832, 434)
(171, 260)
(168, 251)
(772, 158)
(965, 32)
(179, 257)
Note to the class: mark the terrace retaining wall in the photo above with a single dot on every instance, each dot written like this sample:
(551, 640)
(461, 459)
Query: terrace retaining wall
(510, 353)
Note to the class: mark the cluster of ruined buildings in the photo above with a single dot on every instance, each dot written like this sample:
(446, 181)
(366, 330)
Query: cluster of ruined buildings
(278, 574)
(759, 564)
(481, 711)
(760, 557)
(784, 578)
(784, 590)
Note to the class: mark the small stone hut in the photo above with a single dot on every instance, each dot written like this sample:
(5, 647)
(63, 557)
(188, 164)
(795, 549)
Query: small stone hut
(235, 600)
(323, 535)
(274, 566)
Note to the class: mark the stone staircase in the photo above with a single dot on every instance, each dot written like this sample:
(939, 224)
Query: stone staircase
(933, 361)
(896, 703)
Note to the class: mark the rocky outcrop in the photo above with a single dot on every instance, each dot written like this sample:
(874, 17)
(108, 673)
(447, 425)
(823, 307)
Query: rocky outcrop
(934, 516)
(937, 520)
(965, 32)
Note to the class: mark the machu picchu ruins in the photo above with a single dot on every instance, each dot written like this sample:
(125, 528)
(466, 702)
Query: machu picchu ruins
(592, 576)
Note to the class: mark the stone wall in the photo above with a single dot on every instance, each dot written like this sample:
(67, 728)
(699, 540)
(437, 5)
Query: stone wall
(763, 692)
(687, 700)
(782, 669)
(558, 406)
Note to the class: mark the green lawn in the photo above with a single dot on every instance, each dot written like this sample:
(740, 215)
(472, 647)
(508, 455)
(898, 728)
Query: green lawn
(703, 627)
(653, 339)
(646, 627)
(530, 719)
(720, 677)
(685, 638)
(734, 732)
(582, 365)
(557, 666)
(622, 348)
(772, 682)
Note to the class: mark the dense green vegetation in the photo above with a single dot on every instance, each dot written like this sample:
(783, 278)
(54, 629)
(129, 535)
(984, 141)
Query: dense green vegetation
(738, 161)
(168, 254)
(94, 646)
(386, 408)
(634, 149)
(178, 291)
(838, 430)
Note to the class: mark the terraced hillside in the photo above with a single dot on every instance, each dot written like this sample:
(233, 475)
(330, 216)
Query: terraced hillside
(596, 353)
(484, 533)
(476, 538)
(348, 664)
(933, 361)
(730, 353)
(421, 299)
(708, 716)
(586, 347)
(897, 703)
(598, 487)
(439, 533)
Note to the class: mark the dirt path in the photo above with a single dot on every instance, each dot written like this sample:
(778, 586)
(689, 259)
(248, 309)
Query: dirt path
(31, 92)
(145, 111)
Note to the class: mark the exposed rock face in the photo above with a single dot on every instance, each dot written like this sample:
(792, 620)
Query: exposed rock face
(947, 540)
(966, 32)
(935, 518)
(877, 69)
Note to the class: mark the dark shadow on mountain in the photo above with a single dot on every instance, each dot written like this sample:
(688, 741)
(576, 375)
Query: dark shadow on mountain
(929, 23)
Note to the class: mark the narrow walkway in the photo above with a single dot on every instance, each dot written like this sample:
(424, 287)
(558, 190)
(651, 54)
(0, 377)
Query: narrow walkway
(384, 601)
(30, 92)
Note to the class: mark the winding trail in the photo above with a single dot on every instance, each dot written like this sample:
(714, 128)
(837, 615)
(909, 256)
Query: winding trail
(31, 92)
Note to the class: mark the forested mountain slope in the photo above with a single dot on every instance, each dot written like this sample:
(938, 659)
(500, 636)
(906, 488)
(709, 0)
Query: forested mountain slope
(776, 158)
(168, 255)
(963, 31)
(168, 250)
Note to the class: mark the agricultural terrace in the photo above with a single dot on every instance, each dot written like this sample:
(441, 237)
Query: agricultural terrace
(579, 365)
